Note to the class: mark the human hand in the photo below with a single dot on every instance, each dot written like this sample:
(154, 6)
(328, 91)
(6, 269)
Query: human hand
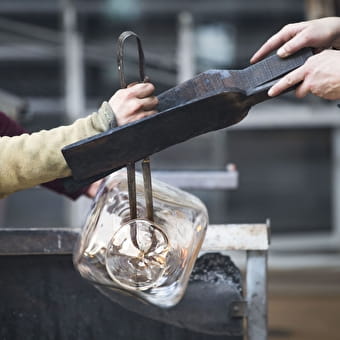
(133, 103)
(320, 34)
(320, 75)
(92, 189)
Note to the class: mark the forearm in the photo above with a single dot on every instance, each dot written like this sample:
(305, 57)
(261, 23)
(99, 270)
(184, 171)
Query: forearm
(29, 160)
(9, 127)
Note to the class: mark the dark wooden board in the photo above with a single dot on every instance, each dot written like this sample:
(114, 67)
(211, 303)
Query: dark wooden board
(210, 101)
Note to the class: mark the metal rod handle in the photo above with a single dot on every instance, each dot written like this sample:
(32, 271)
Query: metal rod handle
(147, 188)
(120, 57)
(131, 176)
(146, 162)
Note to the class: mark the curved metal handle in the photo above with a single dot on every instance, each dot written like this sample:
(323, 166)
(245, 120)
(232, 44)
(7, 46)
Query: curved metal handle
(120, 57)
(146, 162)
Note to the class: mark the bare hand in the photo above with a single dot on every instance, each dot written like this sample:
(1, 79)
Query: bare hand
(320, 75)
(320, 34)
(92, 189)
(134, 102)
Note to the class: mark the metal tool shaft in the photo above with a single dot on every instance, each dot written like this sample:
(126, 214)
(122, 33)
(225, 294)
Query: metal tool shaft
(131, 177)
(147, 188)
(146, 162)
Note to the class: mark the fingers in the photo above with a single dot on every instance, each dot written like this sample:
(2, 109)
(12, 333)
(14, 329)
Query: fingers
(137, 116)
(287, 82)
(282, 38)
(132, 84)
(148, 103)
(134, 90)
(270, 45)
(134, 102)
(141, 115)
(92, 189)
(293, 45)
(136, 105)
(302, 90)
(141, 90)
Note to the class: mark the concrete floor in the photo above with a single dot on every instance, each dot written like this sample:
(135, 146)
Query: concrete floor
(304, 305)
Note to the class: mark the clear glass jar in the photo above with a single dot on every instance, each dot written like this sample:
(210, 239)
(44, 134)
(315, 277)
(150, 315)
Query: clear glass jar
(149, 259)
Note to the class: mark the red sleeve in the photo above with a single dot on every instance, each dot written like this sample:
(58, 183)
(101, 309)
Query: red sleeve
(9, 127)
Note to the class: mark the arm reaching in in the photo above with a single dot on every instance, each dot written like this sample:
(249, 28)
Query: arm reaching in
(320, 33)
(136, 103)
(320, 75)
(29, 160)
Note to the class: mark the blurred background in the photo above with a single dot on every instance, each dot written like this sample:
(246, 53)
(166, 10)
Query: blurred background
(58, 63)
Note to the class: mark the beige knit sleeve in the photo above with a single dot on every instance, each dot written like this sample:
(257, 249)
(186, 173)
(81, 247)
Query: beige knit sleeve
(29, 160)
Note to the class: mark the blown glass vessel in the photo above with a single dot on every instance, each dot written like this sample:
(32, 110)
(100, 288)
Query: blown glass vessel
(151, 260)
